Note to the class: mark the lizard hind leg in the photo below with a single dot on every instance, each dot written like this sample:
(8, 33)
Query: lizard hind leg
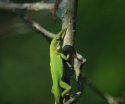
(65, 86)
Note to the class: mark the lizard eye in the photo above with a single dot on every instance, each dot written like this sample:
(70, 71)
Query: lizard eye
(58, 39)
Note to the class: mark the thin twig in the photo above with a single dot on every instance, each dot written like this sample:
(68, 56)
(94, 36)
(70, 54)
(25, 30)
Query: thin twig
(111, 99)
(74, 98)
(108, 98)
(37, 27)
(27, 6)
(94, 88)
(47, 34)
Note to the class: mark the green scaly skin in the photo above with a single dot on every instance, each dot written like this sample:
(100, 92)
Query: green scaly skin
(57, 68)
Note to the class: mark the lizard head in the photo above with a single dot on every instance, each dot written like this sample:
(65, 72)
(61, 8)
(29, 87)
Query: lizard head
(59, 39)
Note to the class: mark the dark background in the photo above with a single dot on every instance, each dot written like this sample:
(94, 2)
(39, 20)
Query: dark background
(24, 54)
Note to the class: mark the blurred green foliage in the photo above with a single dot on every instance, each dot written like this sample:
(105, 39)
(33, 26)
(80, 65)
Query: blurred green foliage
(24, 54)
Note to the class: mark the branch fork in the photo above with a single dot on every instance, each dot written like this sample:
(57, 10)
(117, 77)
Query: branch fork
(68, 16)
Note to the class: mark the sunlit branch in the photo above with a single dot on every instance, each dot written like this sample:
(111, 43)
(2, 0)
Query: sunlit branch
(27, 6)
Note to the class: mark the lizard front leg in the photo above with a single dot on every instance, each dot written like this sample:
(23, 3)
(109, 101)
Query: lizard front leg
(64, 56)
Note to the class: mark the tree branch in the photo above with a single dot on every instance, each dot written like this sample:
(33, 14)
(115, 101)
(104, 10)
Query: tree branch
(69, 22)
(27, 6)
(68, 16)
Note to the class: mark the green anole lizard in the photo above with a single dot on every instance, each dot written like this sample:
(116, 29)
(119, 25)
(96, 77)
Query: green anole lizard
(57, 67)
